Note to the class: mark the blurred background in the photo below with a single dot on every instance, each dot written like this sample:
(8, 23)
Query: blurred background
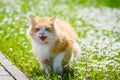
(97, 23)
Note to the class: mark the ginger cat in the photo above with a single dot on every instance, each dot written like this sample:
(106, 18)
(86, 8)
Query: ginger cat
(53, 42)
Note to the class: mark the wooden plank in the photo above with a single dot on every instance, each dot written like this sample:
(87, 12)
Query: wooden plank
(11, 69)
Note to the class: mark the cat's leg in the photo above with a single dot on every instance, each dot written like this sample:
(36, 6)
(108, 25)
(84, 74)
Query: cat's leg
(46, 66)
(66, 61)
(57, 63)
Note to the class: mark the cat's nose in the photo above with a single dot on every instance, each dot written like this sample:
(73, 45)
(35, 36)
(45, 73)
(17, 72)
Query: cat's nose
(42, 34)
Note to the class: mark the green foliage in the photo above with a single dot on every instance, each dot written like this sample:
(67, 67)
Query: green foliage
(97, 28)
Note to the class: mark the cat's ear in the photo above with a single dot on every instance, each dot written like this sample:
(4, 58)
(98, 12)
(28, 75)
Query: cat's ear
(32, 21)
(53, 19)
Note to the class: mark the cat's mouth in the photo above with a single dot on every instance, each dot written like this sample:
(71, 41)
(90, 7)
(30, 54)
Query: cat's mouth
(43, 38)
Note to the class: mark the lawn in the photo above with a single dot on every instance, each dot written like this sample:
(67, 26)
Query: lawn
(97, 23)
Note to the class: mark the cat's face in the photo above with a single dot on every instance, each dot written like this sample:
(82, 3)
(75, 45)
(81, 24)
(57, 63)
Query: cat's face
(42, 29)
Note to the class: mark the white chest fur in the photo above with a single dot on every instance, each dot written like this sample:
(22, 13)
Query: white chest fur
(41, 51)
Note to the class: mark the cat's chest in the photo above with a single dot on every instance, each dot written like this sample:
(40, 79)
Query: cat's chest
(42, 51)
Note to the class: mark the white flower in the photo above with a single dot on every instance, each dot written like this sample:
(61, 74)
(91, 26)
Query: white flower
(11, 49)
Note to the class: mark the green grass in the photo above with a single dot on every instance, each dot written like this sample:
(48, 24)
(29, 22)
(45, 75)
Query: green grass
(100, 46)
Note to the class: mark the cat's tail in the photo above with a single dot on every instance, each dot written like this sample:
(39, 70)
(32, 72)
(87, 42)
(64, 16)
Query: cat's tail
(76, 51)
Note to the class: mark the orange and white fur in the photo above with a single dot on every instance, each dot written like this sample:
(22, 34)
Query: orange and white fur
(53, 42)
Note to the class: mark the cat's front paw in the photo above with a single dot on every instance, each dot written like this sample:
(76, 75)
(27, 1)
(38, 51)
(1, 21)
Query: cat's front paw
(47, 71)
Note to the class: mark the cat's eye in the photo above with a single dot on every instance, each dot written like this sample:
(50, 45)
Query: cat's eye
(47, 29)
(37, 29)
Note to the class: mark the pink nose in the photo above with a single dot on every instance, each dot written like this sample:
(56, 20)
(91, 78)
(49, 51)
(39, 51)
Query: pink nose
(42, 34)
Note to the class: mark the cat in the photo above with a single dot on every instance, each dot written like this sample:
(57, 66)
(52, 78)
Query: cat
(53, 42)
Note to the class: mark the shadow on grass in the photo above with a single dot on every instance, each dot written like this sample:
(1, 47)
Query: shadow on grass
(68, 74)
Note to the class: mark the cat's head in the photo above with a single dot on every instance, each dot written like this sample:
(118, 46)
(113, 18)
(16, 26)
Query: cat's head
(42, 29)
